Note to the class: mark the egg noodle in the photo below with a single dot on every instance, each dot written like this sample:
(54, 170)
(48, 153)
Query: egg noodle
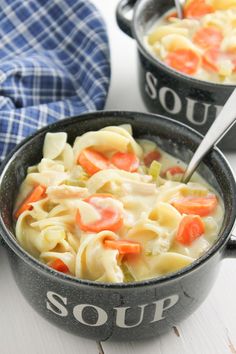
(113, 209)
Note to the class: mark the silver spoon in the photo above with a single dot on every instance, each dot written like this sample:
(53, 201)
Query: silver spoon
(219, 128)
(179, 9)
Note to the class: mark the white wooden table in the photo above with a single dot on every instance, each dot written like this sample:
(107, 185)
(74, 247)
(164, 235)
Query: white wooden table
(210, 330)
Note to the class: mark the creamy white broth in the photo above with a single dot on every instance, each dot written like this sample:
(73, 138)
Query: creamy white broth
(215, 65)
(63, 224)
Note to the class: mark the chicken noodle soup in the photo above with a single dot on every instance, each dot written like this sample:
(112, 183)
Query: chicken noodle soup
(203, 44)
(113, 209)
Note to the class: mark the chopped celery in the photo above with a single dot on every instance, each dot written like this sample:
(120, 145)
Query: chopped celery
(72, 182)
(75, 183)
(80, 182)
(128, 278)
(154, 170)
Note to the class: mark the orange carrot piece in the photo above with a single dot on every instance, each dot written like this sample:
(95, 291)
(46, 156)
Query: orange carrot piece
(183, 60)
(37, 194)
(111, 218)
(208, 37)
(174, 170)
(59, 265)
(92, 161)
(123, 246)
(201, 206)
(151, 156)
(212, 55)
(190, 228)
(210, 58)
(197, 9)
(125, 161)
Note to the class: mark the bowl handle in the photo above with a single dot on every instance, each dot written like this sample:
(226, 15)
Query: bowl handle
(122, 19)
(230, 250)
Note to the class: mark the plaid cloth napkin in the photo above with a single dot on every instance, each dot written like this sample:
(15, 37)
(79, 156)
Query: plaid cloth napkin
(54, 63)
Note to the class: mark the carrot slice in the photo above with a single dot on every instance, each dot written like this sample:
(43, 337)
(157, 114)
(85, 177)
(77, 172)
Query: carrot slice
(184, 60)
(208, 37)
(111, 218)
(213, 55)
(197, 9)
(124, 246)
(37, 194)
(93, 161)
(190, 228)
(209, 59)
(201, 206)
(125, 161)
(151, 156)
(174, 170)
(59, 265)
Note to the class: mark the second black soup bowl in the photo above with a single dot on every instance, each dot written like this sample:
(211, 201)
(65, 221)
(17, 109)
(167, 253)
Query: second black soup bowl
(117, 311)
(165, 90)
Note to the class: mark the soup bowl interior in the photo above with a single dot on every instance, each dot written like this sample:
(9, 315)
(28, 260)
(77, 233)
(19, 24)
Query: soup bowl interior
(173, 137)
(146, 14)
(49, 291)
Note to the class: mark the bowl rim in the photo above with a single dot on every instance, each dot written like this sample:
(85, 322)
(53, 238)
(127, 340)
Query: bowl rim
(223, 236)
(162, 65)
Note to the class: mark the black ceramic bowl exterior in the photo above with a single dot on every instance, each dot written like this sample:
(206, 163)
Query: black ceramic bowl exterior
(164, 90)
(116, 311)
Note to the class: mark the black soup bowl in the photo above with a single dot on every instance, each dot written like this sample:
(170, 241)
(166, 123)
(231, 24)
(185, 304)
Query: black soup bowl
(165, 90)
(118, 311)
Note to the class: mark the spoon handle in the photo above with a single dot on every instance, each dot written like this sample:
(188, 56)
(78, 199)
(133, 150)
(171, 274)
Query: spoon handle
(219, 128)
(179, 9)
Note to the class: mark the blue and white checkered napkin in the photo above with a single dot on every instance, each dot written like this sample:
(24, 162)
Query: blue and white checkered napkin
(54, 63)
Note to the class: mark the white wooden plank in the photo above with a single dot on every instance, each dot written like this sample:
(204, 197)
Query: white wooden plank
(22, 330)
(167, 343)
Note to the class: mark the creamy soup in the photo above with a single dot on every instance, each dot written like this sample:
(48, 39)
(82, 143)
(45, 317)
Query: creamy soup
(202, 45)
(112, 209)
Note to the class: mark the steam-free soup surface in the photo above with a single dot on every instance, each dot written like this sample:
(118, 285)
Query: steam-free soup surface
(113, 209)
